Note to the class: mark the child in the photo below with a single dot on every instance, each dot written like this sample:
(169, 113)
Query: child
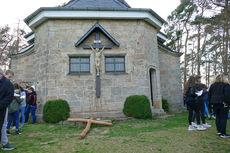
(14, 108)
(23, 105)
(31, 105)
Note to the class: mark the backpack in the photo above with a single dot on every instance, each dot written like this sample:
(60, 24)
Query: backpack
(15, 105)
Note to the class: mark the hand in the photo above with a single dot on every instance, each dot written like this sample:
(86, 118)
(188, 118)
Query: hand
(23, 97)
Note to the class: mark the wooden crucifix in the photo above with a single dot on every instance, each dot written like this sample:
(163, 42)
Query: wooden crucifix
(98, 48)
(89, 122)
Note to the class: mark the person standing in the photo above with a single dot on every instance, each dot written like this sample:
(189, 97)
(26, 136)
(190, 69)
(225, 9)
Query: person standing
(217, 96)
(32, 105)
(13, 110)
(200, 100)
(23, 105)
(6, 97)
(190, 91)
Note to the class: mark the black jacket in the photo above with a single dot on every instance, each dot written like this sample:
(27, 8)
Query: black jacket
(216, 93)
(32, 99)
(190, 94)
(227, 94)
(6, 93)
(6, 97)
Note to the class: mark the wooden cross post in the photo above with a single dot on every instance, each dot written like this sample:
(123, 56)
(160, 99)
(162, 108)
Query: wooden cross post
(96, 48)
(89, 122)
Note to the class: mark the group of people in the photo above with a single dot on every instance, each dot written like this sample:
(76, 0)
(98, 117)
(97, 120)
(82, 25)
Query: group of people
(14, 100)
(198, 97)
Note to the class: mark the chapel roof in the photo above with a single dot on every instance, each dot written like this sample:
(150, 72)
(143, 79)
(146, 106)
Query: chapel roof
(97, 4)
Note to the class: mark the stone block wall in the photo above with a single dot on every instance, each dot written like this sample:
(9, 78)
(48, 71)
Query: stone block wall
(171, 83)
(54, 44)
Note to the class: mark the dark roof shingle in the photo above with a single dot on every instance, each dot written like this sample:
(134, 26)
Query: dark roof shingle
(97, 4)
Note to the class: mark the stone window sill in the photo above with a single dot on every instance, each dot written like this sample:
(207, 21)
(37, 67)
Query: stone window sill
(116, 73)
(78, 74)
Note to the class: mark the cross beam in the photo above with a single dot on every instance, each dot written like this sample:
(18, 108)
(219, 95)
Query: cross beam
(97, 46)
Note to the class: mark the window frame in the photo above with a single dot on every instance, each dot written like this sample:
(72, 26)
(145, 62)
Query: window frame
(114, 63)
(79, 72)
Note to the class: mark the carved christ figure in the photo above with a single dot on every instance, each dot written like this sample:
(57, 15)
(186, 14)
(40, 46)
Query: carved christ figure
(97, 58)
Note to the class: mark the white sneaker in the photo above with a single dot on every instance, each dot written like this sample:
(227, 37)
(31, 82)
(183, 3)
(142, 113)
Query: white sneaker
(213, 116)
(201, 128)
(194, 124)
(13, 128)
(206, 125)
(191, 128)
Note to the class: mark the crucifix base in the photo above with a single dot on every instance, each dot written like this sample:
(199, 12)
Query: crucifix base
(98, 86)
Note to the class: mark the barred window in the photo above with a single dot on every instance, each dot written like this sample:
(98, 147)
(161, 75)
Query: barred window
(79, 65)
(115, 64)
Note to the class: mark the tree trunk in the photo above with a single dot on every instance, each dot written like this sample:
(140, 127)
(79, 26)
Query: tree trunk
(193, 57)
(185, 54)
(198, 41)
(226, 38)
(209, 72)
(198, 49)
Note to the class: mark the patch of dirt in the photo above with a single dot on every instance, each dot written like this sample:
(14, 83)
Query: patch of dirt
(100, 131)
(51, 126)
(146, 125)
(36, 134)
(52, 141)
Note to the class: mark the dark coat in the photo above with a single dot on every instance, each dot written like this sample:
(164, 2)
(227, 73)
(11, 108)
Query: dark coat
(227, 94)
(6, 97)
(216, 93)
(190, 94)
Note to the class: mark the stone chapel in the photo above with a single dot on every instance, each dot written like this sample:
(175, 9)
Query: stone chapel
(96, 53)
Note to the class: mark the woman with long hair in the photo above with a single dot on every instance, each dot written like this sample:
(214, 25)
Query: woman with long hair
(200, 100)
(191, 101)
(217, 99)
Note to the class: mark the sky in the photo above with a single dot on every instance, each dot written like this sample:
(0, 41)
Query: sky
(14, 11)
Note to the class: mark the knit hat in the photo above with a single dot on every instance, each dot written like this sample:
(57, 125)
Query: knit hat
(33, 86)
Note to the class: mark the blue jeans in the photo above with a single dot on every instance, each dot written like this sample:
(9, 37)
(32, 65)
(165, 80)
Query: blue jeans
(23, 114)
(13, 116)
(3, 135)
(32, 110)
(206, 103)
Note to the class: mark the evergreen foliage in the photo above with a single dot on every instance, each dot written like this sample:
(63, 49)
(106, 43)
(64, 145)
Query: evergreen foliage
(200, 29)
(165, 105)
(56, 111)
(137, 106)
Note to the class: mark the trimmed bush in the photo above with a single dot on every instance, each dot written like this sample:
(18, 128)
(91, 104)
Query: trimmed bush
(137, 106)
(55, 111)
(165, 105)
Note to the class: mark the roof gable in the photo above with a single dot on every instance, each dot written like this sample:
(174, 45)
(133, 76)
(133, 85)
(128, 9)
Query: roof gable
(97, 26)
(97, 4)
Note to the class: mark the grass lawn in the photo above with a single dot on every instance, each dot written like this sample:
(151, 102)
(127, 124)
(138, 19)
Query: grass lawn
(147, 136)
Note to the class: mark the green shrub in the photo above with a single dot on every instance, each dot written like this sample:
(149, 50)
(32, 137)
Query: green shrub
(137, 106)
(55, 111)
(165, 105)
